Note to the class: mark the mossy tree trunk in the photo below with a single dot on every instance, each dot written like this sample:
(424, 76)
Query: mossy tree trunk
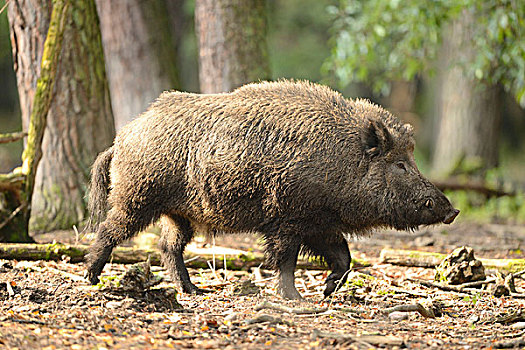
(17, 187)
(232, 43)
(469, 111)
(79, 122)
(140, 46)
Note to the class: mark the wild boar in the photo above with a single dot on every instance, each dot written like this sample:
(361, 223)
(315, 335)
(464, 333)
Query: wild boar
(294, 161)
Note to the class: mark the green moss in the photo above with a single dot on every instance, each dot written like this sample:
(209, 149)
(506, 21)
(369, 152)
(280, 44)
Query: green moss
(248, 257)
(416, 255)
(511, 265)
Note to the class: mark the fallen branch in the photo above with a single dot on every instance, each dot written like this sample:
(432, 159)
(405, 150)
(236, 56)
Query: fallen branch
(12, 137)
(291, 310)
(476, 283)
(127, 255)
(445, 287)
(479, 187)
(429, 313)
(66, 274)
(415, 258)
(267, 318)
(412, 258)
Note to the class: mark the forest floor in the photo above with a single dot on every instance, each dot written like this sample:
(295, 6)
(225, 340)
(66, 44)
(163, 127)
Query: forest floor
(47, 304)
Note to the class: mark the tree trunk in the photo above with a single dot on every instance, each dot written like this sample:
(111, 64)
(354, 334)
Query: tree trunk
(232, 43)
(140, 52)
(28, 24)
(79, 123)
(469, 112)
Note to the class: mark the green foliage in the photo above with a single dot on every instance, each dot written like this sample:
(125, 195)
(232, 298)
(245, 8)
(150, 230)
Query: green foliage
(297, 38)
(475, 207)
(5, 47)
(108, 282)
(471, 299)
(377, 41)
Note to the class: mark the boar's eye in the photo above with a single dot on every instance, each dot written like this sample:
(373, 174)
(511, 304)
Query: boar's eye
(429, 203)
(401, 166)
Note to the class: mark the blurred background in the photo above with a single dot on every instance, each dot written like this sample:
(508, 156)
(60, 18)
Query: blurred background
(454, 69)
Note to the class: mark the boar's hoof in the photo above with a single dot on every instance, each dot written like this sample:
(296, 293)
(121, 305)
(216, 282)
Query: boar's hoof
(333, 282)
(289, 293)
(91, 277)
(330, 288)
(190, 288)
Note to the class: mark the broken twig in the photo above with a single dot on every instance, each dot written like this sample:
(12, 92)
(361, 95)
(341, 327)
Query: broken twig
(267, 318)
(12, 137)
(10, 290)
(429, 313)
(12, 215)
(291, 310)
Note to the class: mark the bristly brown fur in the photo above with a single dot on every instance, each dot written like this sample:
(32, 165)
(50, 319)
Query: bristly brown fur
(294, 161)
(99, 189)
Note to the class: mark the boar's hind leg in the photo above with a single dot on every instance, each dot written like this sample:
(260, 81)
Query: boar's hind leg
(336, 253)
(176, 233)
(282, 252)
(117, 227)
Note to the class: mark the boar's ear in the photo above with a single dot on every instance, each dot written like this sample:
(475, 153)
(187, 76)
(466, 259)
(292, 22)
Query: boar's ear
(376, 139)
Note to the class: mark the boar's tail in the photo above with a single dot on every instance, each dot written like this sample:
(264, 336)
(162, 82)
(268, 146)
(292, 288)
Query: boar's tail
(99, 189)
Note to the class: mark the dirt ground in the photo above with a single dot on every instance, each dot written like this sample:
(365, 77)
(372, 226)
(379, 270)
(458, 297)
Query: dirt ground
(46, 304)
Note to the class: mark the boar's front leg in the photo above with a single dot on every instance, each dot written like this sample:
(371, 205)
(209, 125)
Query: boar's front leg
(176, 234)
(281, 252)
(120, 224)
(334, 249)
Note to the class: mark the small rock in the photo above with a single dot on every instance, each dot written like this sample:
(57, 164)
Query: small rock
(114, 304)
(503, 285)
(245, 288)
(139, 277)
(460, 267)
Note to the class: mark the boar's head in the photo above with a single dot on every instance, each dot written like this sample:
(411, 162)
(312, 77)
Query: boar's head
(403, 197)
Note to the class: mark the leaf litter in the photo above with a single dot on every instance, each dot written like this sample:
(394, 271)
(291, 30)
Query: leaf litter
(46, 304)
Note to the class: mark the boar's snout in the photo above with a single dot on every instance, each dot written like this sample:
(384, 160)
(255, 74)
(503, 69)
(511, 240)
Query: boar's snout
(451, 216)
(435, 208)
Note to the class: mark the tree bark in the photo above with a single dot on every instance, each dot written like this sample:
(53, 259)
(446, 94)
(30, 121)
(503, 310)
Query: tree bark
(17, 187)
(79, 122)
(232, 43)
(140, 52)
(28, 25)
(469, 111)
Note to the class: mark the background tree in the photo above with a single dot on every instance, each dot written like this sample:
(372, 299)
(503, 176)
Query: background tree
(378, 42)
(232, 43)
(79, 123)
(9, 107)
(140, 41)
(469, 112)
